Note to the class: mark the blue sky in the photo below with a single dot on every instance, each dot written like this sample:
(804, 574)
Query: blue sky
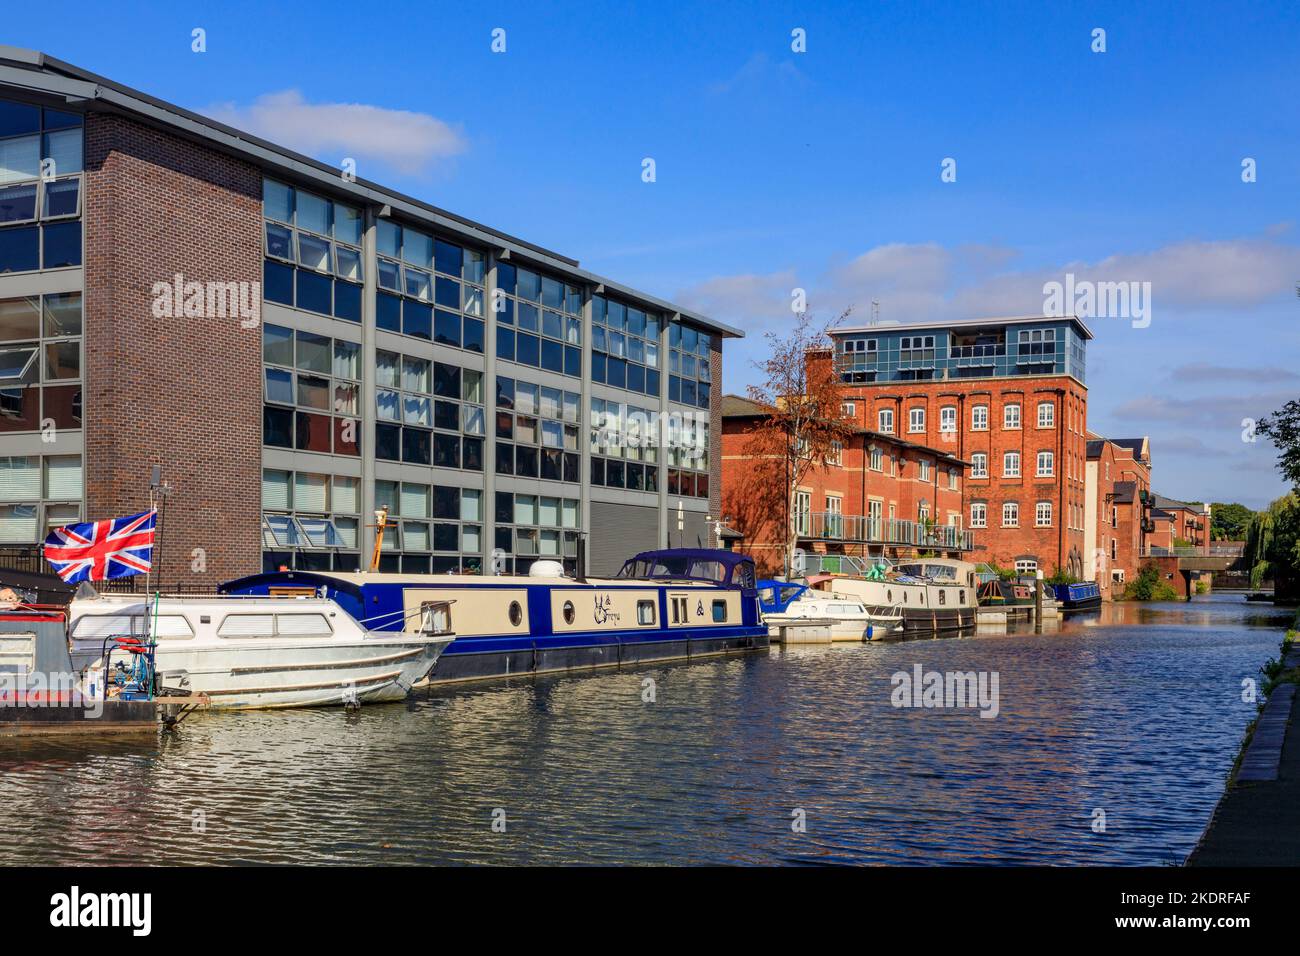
(821, 169)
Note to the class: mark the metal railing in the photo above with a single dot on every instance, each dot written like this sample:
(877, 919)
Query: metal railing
(864, 529)
(1213, 551)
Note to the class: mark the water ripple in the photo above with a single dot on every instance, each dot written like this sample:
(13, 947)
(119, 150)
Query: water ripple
(1137, 715)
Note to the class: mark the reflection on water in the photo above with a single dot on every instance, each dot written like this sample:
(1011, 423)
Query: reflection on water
(1134, 710)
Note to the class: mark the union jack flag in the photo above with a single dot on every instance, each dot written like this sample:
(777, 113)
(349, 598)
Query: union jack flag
(98, 550)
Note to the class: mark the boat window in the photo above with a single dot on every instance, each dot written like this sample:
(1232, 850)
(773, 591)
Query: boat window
(435, 617)
(171, 626)
(709, 571)
(101, 625)
(944, 571)
(645, 612)
(719, 611)
(568, 612)
(302, 625)
(745, 575)
(247, 625)
(113, 625)
(943, 596)
(516, 614)
(17, 653)
(961, 596)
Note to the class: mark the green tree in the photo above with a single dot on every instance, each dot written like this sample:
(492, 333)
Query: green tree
(1273, 547)
(1228, 521)
(1282, 428)
(1148, 586)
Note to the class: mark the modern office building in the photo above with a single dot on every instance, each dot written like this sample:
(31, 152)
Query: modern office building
(297, 348)
(1008, 396)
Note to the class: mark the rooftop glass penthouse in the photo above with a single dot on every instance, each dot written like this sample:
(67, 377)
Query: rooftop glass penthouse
(975, 348)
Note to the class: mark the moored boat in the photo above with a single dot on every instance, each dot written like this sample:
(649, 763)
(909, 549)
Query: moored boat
(936, 595)
(845, 618)
(1082, 596)
(273, 651)
(663, 605)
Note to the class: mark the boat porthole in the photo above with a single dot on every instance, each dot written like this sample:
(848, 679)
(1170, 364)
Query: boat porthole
(516, 614)
(568, 612)
(889, 596)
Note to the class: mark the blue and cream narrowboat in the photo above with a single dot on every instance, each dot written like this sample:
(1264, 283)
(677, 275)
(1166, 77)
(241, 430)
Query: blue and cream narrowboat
(663, 605)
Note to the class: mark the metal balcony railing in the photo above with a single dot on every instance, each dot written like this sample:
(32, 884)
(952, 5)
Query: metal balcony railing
(863, 529)
(1213, 551)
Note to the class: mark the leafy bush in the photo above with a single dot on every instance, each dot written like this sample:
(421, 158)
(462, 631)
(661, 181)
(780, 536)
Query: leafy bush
(1149, 586)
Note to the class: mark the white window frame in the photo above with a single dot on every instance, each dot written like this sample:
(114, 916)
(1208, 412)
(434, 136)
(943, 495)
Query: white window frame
(885, 421)
(1043, 514)
(915, 420)
(979, 514)
(1048, 420)
(979, 418)
(948, 418)
(1011, 514)
(1045, 467)
(1010, 459)
(1011, 417)
(979, 465)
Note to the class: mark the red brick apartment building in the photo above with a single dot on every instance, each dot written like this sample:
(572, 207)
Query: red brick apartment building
(1007, 396)
(1118, 499)
(878, 495)
(495, 396)
(1177, 525)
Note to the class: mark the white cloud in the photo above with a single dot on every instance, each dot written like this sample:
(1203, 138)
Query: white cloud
(748, 300)
(410, 143)
(927, 282)
(760, 72)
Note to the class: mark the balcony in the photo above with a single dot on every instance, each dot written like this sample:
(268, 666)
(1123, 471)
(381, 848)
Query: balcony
(978, 354)
(859, 529)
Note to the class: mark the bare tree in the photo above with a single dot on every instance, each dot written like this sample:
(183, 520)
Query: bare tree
(800, 395)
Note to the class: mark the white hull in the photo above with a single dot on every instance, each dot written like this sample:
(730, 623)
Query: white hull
(268, 667)
(252, 675)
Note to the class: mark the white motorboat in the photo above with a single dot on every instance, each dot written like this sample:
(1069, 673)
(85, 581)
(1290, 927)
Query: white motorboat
(252, 652)
(845, 617)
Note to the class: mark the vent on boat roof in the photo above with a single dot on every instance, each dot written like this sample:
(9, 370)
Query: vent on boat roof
(546, 569)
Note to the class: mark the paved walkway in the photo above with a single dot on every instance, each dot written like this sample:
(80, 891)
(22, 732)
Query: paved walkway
(1257, 822)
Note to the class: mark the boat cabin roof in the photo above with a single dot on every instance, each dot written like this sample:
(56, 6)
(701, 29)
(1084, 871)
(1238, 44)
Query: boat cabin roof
(708, 565)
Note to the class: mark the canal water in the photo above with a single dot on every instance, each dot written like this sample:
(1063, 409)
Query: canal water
(1112, 742)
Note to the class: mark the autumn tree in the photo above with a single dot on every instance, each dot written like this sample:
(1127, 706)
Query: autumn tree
(800, 398)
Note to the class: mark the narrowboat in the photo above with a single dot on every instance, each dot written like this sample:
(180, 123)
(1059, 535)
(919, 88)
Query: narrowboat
(934, 595)
(1079, 597)
(663, 605)
(39, 692)
(269, 652)
(997, 593)
(848, 619)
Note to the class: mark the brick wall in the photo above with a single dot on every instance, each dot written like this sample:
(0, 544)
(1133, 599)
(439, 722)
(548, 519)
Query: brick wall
(1052, 546)
(181, 392)
(753, 499)
(715, 432)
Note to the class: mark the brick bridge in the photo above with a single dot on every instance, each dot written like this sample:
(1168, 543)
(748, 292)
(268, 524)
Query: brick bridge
(1184, 567)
